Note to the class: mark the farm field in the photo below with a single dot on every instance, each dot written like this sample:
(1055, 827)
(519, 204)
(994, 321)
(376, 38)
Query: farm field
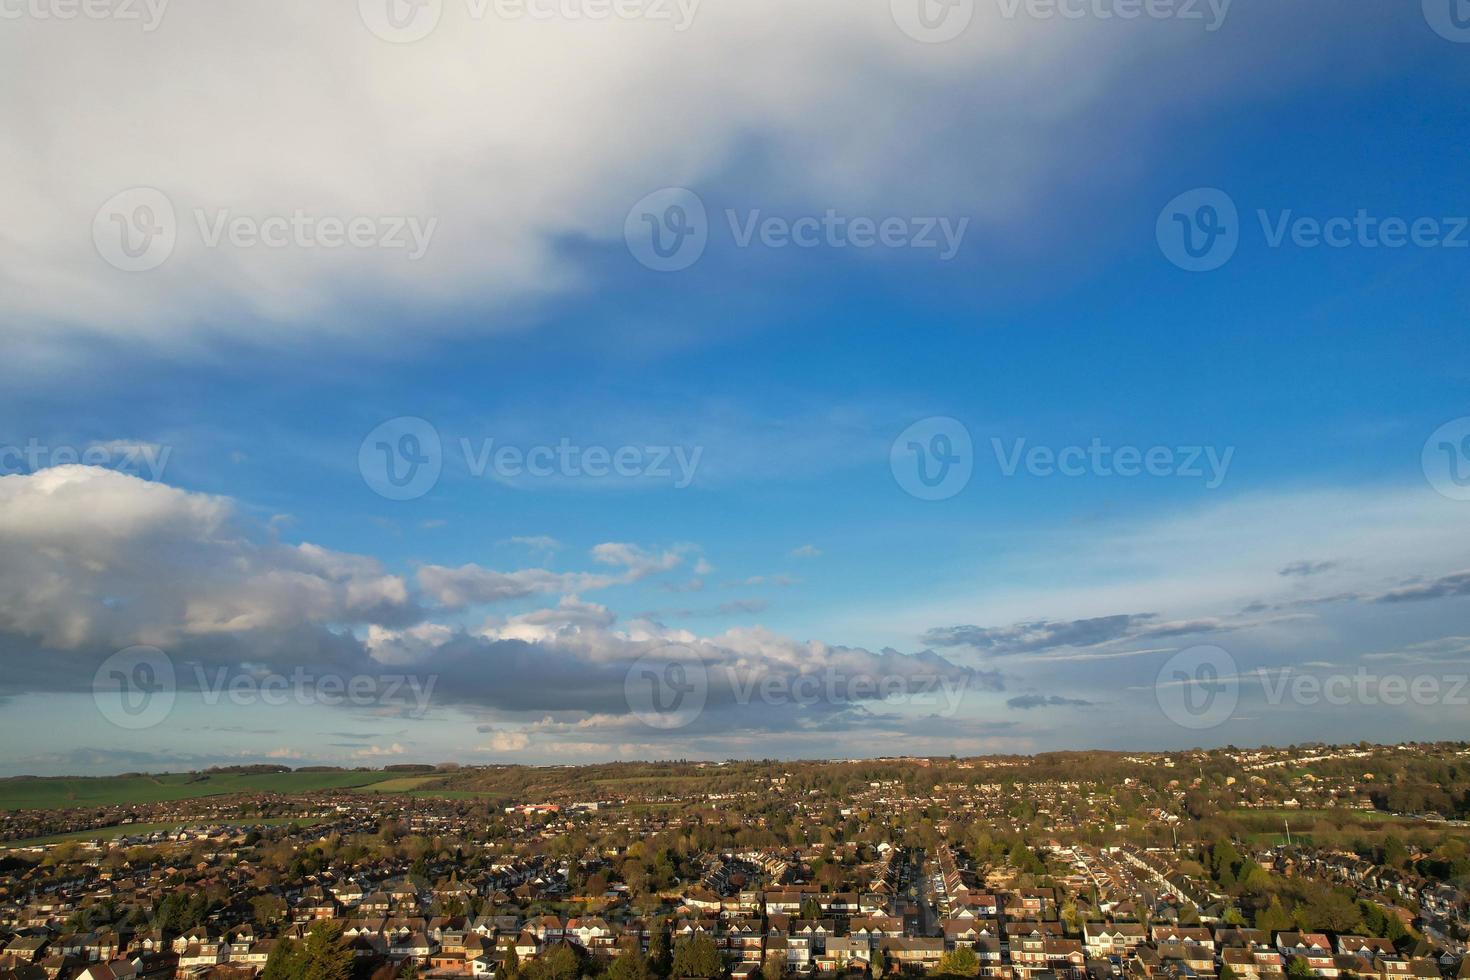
(127, 830)
(403, 784)
(36, 793)
(1302, 816)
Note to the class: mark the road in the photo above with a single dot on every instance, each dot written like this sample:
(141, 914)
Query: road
(919, 891)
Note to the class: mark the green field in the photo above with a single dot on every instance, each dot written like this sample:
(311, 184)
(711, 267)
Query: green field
(128, 830)
(37, 793)
(1304, 817)
(403, 784)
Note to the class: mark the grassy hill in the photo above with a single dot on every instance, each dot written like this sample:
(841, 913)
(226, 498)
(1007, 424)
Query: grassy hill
(34, 792)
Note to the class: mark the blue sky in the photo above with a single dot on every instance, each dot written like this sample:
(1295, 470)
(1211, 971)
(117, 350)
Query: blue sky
(1319, 546)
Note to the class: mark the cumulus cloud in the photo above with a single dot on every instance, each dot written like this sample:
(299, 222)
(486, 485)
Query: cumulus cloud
(979, 126)
(94, 558)
(380, 751)
(511, 666)
(505, 742)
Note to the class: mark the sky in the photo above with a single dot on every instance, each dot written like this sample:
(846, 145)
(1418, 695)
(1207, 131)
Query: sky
(560, 381)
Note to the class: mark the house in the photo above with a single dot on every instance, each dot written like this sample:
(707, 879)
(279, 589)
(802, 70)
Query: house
(199, 936)
(446, 963)
(1313, 947)
(103, 946)
(849, 951)
(28, 948)
(1037, 902)
(876, 927)
(919, 952)
(960, 932)
(256, 955)
(1112, 939)
(547, 928)
(744, 939)
(110, 970)
(1241, 962)
(197, 956)
(414, 945)
(1187, 958)
(1196, 935)
(1364, 946)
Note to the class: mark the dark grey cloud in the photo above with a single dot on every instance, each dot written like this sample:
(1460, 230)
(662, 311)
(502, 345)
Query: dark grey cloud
(1027, 702)
(1447, 586)
(1306, 568)
(1039, 636)
(1035, 636)
(587, 673)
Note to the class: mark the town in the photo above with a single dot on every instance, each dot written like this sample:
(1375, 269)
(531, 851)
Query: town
(1309, 861)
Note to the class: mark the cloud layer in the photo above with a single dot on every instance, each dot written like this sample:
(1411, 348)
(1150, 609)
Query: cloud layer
(527, 140)
(93, 561)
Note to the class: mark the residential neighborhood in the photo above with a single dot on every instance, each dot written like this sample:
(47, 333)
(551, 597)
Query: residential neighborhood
(1009, 868)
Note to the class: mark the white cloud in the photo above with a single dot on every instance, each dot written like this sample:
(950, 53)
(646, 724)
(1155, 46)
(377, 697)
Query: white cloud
(380, 751)
(521, 135)
(506, 742)
(93, 557)
(472, 584)
(1212, 560)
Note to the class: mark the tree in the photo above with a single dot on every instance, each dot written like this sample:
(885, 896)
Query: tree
(879, 966)
(325, 956)
(958, 962)
(1297, 968)
(284, 962)
(510, 966)
(1273, 918)
(630, 964)
(660, 957)
(267, 909)
(558, 963)
(1332, 910)
(774, 968)
(697, 957)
